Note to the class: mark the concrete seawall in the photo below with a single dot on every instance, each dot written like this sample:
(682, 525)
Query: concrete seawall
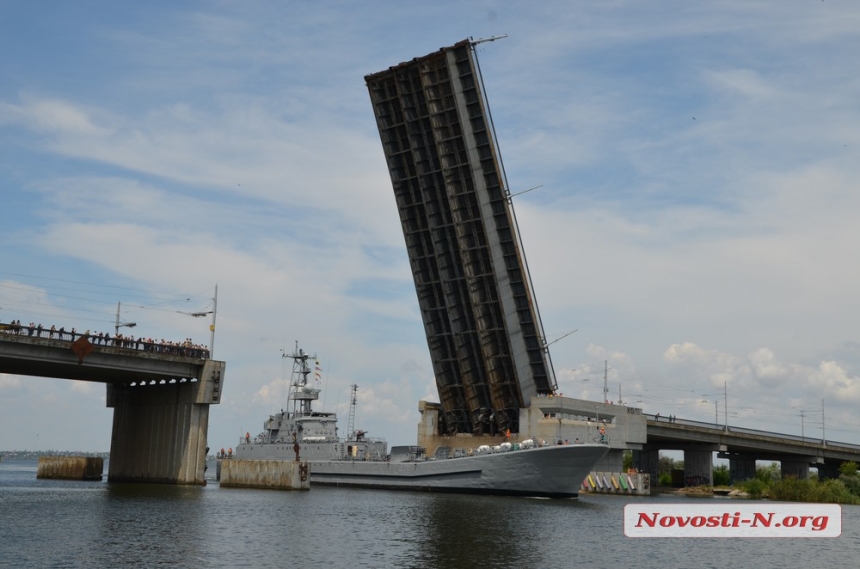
(271, 474)
(70, 467)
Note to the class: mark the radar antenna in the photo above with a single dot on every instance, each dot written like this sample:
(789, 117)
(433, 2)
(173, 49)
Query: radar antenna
(298, 391)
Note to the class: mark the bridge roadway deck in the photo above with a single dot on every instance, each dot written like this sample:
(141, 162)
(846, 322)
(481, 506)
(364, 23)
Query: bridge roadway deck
(682, 433)
(160, 396)
(49, 357)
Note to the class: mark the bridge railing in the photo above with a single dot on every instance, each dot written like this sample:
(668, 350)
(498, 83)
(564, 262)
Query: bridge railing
(746, 431)
(183, 349)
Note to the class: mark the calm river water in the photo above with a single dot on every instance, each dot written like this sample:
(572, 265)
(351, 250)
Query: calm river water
(95, 524)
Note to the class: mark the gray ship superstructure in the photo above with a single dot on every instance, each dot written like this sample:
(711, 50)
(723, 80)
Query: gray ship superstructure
(315, 432)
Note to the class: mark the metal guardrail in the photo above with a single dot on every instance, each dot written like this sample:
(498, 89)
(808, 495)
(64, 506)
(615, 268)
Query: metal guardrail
(136, 344)
(746, 431)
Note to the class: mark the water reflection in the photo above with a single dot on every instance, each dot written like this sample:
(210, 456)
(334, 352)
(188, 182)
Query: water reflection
(143, 524)
(86, 524)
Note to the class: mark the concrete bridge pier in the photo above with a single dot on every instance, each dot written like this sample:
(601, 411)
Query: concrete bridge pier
(160, 429)
(741, 469)
(794, 468)
(828, 470)
(699, 466)
(648, 461)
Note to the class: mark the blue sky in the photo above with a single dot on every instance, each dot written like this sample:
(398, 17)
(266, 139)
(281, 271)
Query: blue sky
(696, 221)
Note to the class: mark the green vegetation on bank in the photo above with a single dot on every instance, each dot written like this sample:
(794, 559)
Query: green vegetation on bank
(768, 484)
(722, 476)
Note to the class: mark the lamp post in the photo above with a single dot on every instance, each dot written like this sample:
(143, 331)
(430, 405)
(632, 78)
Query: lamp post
(716, 407)
(117, 325)
(545, 344)
(725, 395)
(213, 312)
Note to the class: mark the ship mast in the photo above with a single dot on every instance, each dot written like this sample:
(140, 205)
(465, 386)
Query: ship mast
(300, 393)
(350, 426)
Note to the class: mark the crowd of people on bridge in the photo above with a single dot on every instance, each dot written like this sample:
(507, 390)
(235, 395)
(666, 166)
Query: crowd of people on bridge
(185, 348)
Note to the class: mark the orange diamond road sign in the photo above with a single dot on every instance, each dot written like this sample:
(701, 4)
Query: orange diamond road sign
(82, 348)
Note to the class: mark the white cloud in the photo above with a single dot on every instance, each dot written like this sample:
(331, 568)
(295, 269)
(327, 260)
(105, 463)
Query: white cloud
(765, 366)
(745, 82)
(834, 383)
(51, 116)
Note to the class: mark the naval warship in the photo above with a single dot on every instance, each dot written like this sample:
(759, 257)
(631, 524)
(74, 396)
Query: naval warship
(526, 468)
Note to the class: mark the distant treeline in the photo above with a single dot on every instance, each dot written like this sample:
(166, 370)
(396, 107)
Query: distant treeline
(31, 454)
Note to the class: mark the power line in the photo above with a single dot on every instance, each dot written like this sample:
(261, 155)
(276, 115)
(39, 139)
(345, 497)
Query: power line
(98, 285)
(58, 290)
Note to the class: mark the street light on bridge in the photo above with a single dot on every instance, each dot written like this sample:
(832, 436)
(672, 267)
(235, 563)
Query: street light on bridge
(725, 404)
(214, 313)
(124, 324)
(716, 407)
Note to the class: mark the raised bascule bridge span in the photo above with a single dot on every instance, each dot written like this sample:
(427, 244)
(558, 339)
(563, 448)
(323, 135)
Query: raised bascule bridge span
(742, 447)
(160, 395)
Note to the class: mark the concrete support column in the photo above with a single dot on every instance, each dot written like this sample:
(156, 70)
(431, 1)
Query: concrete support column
(648, 461)
(741, 469)
(159, 430)
(828, 471)
(799, 470)
(698, 467)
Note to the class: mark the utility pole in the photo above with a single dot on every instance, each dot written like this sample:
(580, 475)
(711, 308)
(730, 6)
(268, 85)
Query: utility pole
(823, 431)
(726, 405)
(802, 435)
(605, 378)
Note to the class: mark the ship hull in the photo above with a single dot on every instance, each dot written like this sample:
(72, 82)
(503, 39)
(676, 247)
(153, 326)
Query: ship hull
(551, 472)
